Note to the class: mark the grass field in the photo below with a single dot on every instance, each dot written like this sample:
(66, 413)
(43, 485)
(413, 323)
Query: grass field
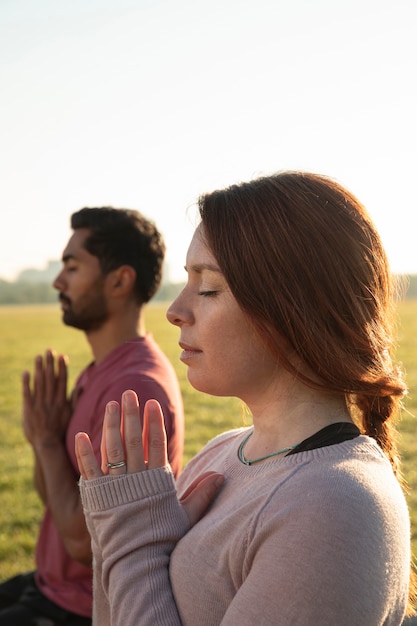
(28, 330)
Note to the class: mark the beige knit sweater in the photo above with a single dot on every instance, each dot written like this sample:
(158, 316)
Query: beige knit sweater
(316, 538)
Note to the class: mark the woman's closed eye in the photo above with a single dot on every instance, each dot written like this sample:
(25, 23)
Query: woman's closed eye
(208, 293)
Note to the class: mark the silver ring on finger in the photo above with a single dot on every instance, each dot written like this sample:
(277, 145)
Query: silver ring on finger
(116, 465)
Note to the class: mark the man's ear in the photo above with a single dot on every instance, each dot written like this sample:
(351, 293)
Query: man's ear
(121, 281)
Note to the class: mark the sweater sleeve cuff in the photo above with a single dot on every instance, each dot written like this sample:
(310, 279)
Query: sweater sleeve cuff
(106, 492)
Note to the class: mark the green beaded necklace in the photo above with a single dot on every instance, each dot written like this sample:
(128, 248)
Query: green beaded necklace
(246, 461)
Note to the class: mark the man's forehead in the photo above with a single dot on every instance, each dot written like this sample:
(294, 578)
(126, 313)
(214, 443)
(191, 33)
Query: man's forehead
(75, 247)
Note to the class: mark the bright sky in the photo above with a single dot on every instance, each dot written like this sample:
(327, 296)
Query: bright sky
(147, 103)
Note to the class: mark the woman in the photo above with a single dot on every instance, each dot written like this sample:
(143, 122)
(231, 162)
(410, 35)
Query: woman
(299, 519)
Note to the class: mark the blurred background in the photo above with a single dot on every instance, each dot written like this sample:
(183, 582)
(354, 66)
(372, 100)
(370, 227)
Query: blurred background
(147, 103)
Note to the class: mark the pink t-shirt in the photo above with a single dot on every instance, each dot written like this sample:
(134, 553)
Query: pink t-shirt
(139, 365)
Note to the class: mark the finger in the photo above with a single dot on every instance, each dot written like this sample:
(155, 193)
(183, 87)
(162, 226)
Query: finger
(145, 436)
(27, 394)
(112, 445)
(38, 381)
(132, 432)
(27, 403)
(156, 439)
(103, 449)
(201, 494)
(196, 482)
(87, 463)
(49, 376)
(62, 378)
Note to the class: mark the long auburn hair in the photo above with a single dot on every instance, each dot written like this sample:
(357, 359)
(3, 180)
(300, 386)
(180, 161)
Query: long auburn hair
(304, 260)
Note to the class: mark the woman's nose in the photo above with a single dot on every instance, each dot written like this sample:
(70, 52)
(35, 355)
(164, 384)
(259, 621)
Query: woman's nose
(177, 311)
(172, 315)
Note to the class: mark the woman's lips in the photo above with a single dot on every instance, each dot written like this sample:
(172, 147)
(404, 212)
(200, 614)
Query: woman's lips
(188, 352)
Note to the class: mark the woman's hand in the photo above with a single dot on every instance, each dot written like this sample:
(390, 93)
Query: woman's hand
(122, 443)
(126, 449)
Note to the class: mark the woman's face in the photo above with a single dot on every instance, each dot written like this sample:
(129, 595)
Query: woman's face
(224, 354)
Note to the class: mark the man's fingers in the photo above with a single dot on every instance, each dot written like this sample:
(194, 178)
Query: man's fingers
(156, 439)
(38, 381)
(49, 376)
(62, 377)
(27, 395)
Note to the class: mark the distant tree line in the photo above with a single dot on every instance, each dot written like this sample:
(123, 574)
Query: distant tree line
(35, 287)
(411, 287)
(25, 292)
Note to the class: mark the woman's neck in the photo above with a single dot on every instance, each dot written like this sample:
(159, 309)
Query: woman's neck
(288, 415)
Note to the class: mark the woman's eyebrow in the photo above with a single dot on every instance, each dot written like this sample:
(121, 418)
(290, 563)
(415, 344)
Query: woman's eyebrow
(199, 267)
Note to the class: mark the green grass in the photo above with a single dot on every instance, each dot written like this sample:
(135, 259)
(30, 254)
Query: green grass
(407, 354)
(29, 330)
(26, 331)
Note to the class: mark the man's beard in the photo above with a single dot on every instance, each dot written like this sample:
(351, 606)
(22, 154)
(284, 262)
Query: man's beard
(90, 314)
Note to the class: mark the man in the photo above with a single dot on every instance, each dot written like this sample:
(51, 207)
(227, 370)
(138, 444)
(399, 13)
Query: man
(112, 266)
